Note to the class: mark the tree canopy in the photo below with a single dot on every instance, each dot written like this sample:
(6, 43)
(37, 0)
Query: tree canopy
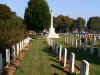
(80, 22)
(37, 15)
(62, 23)
(12, 28)
(93, 24)
(66, 24)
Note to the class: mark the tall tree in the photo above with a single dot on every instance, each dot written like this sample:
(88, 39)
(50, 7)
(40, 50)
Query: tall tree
(37, 15)
(93, 24)
(62, 23)
(6, 13)
(12, 28)
(80, 23)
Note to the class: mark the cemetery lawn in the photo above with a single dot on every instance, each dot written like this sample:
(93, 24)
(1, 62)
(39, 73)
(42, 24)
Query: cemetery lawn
(40, 61)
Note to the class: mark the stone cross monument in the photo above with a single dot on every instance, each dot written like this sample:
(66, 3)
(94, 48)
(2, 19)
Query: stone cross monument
(52, 33)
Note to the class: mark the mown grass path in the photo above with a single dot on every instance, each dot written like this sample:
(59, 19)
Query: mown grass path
(39, 61)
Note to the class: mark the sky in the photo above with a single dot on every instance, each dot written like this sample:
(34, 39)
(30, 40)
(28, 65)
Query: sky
(71, 8)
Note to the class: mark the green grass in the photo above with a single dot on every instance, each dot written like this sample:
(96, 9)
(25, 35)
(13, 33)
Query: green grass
(81, 54)
(40, 61)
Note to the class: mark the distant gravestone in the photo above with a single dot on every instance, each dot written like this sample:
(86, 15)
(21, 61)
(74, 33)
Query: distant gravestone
(84, 68)
(94, 40)
(72, 62)
(72, 41)
(98, 37)
(86, 39)
(76, 42)
(78, 35)
(80, 44)
(17, 46)
(1, 64)
(14, 51)
(85, 45)
(69, 41)
(65, 40)
(7, 56)
(92, 48)
(22, 44)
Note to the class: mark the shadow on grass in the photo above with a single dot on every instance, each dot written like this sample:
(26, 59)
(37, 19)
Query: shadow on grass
(49, 52)
(57, 67)
(54, 60)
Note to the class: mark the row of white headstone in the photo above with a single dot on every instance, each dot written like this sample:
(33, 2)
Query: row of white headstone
(84, 65)
(93, 36)
(78, 43)
(88, 35)
(72, 41)
(17, 48)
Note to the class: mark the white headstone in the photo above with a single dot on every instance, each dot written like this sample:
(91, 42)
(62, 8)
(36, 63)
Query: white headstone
(65, 40)
(17, 48)
(78, 35)
(72, 41)
(25, 42)
(14, 51)
(76, 42)
(86, 39)
(7, 56)
(72, 62)
(94, 40)
(80, 44)
(84, 68)
(22, 44)
(65, 57)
